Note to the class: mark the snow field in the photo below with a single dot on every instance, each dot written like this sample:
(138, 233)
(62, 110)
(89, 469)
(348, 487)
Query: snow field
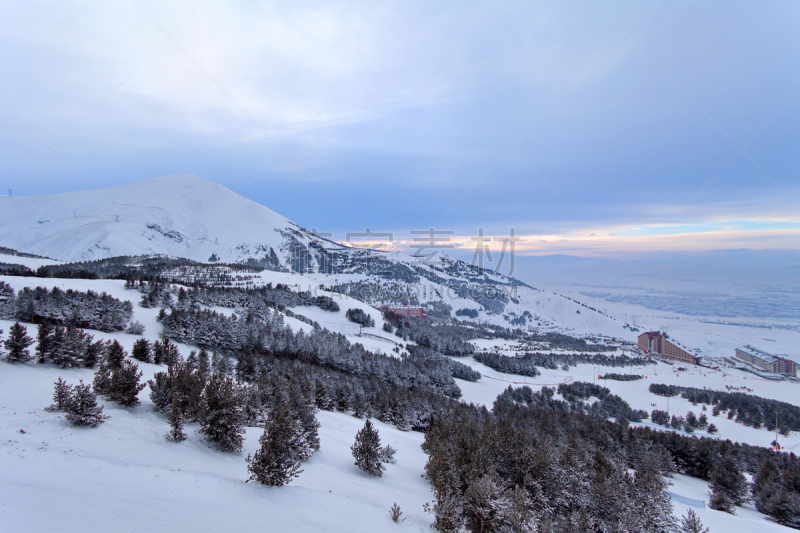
(124, 476)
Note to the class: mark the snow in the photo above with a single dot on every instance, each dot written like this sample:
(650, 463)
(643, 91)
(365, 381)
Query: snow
(30, 262)
(747, 519)
(124, 472)
(137, 218)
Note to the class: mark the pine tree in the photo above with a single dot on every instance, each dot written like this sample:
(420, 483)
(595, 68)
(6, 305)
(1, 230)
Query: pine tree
(728, 486)
(484, 503)
(102, 380)
(784, 508)
(124, 386)
(518, 515)
(171, 354)
(203, 365)
(95, 352)
(44, 344)
(191, 361)
(766, 483)
(653, 506)
(395, 513)
(70, 347)
(158, 353)
(224, 365)
(387, 454)
(303, 412)
(17, 344)
(223, 421)
(83, 409)
(447, 511)
(62, 396)
(115, 354)
(274, 463)
(57, 344)
(366, 450)
(141, 351)
(175, 418)
(691, 523)
(720, 501)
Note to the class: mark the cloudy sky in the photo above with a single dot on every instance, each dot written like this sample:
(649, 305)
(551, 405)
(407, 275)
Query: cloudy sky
(591, 128)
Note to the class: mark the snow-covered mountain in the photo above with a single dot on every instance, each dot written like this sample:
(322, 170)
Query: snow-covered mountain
(181, 216)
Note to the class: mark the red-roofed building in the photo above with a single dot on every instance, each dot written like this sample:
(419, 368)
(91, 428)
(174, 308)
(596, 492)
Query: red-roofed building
(406, 310)
(656, 342)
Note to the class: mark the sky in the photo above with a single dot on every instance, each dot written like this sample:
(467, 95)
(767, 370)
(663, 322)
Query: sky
(591, 128)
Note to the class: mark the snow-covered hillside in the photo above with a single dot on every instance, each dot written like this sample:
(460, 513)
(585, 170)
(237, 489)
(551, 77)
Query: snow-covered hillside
(125, 472)
(183, 216)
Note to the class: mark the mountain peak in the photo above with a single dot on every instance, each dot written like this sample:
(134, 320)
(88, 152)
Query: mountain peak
(181, 215)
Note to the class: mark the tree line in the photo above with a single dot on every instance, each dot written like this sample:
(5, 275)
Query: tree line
(73, 308)
(747, 409)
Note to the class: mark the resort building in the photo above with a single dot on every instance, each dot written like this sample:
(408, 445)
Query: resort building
(406, 310)
(766, 362)
(656, 342)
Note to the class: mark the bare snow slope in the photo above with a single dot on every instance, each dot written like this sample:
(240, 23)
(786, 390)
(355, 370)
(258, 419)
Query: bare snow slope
(181, 215)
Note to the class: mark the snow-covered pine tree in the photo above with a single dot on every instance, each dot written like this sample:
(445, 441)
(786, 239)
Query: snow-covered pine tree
(141, 351)
(83, 409)
(223, 421)
(70, 347)
(171, 354)
(102, 380)
(95, 352)
(719, 501)
(175, 418)
(518, 515)
(448, 511)
(44, 342)
(303, 412)
(653, 506)
(784, 508)
(57, 344)
(135, 328)
(115, 354)
(387, 454)
(728, 486)
(62, 396)
(275, 462)
(691, 523)
(484, 502)
(366, 450)
(158, 353)
(17, 344)
(191, 361)
(203, 365)
(8, 306)
(124, 386)
(395, 513)
(224, 367)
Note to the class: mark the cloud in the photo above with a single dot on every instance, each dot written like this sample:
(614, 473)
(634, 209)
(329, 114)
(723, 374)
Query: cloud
(543, 118)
